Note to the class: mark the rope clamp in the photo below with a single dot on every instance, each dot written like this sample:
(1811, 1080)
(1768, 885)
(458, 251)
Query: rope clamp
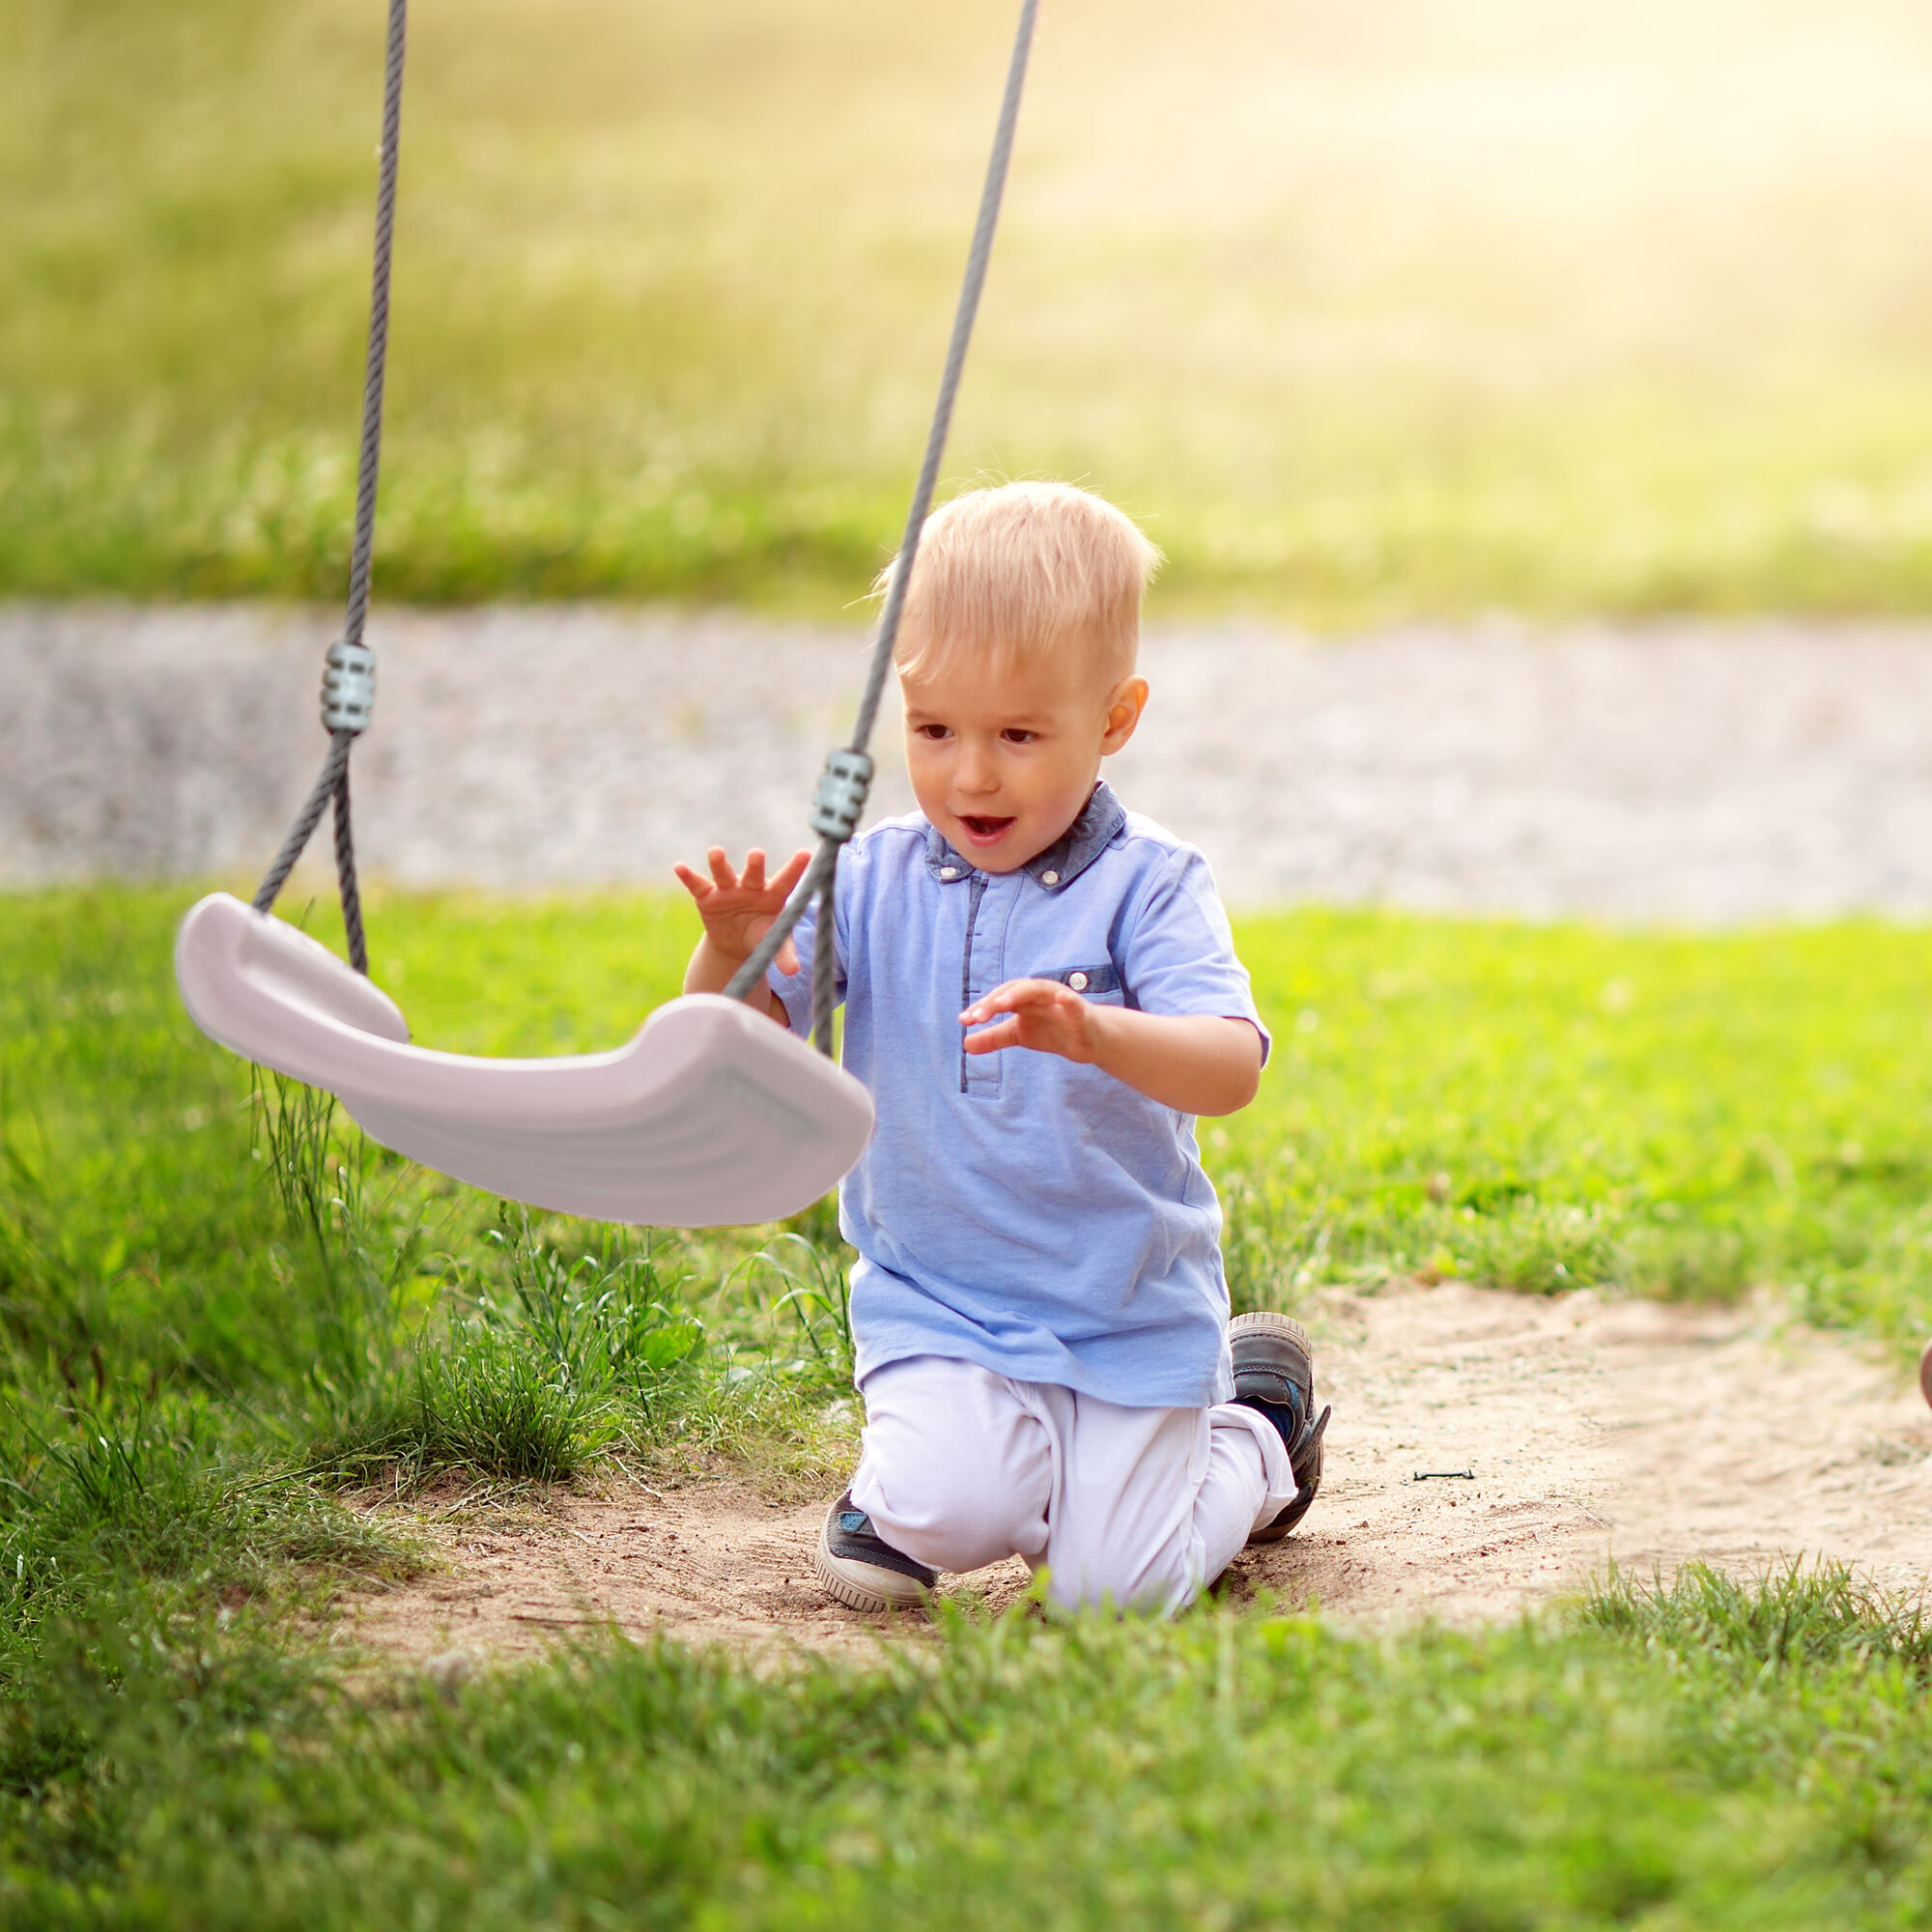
(348, 686)
(839, 801)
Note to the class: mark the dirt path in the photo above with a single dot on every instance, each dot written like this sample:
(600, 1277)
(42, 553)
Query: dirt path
(1588, 1429)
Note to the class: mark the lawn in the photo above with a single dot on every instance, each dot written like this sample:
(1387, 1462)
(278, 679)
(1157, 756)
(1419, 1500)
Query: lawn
(221, 1315)
(1428, 307)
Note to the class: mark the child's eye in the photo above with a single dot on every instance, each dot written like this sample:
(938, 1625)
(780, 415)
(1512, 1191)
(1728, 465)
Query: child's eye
(935, 731)
(1016, 736)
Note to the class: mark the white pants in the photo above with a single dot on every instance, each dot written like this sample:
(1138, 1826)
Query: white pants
(1139, 1507)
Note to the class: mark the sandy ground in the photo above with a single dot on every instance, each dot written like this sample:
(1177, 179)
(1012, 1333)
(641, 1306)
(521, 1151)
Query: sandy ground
(1586, 1430)
(1694, 772)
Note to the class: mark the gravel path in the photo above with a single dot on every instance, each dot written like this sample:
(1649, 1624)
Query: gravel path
(1687, 773)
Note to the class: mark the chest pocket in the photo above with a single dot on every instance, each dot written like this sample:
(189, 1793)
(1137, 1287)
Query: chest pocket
(1100, 983)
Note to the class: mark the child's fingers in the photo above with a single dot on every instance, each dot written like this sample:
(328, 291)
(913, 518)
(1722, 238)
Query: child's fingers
(991, 1040)
(720, 869)
(699, 888)
(791, 873)
(1015, 997)
(753, 878)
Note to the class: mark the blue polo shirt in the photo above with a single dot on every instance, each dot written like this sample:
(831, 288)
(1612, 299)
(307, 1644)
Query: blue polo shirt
(1014, 1208)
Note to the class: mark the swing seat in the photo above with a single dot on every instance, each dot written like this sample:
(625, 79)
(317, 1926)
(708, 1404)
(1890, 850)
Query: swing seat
(711, 1115)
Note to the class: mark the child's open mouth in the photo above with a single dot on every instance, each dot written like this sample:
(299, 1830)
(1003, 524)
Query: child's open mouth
(986, 831)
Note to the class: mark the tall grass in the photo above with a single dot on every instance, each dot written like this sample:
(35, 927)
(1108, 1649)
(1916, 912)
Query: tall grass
(1423, 307)
(219, 1305)
(1780, 1622)
(536, 1382)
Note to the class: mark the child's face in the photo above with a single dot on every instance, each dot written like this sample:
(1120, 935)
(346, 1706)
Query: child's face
(1003, 758)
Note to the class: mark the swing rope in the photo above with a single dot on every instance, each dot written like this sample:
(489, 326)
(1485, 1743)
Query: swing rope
(839, 801)
(349, 677)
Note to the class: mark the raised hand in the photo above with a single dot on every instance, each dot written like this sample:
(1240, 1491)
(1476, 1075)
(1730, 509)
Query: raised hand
(738, 908)
(1039, 1013)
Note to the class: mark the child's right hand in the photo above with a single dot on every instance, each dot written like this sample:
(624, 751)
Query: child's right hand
(738, 910)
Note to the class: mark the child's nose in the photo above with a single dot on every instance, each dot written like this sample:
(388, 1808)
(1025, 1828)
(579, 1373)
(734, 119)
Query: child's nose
(978, 770)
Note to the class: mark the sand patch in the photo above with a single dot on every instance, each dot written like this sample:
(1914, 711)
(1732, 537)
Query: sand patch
(1594, 1430)
(1488, 1450)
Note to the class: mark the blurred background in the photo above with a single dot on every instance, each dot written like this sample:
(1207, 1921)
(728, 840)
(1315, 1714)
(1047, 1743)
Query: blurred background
(1370, 308)
(1573, 360)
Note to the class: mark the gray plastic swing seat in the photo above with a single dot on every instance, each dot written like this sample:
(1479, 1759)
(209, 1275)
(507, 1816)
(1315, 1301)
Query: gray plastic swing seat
(710, 1115)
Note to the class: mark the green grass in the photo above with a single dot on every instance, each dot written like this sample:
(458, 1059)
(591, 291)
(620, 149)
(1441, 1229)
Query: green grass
(217, 1304)
(220, 1315)
(1554, 1106)
(1423, 308)
(1707, 1757)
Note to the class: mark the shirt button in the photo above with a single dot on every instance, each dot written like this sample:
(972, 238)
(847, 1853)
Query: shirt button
(1049, 878)
(948, 871)
(1077, 981)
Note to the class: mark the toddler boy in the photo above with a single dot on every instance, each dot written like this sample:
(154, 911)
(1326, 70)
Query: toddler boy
(1039, 1305)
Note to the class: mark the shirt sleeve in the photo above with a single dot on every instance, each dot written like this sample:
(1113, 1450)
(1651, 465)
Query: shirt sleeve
(1181, 955)
(794, 989)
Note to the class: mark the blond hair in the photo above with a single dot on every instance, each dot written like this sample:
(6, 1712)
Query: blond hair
(1024, 568)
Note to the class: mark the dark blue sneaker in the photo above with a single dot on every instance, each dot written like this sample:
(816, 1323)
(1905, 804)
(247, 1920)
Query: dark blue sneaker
(1274, 1372)
(861, 1569)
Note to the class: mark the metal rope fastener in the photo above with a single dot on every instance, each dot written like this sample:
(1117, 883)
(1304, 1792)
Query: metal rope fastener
(347, 687)
(838, 802)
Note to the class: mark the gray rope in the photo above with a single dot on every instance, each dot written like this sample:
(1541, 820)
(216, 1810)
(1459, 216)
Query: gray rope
(321, 796)
(825, 970)
(820, 880)
(379, 329)
(347, 889)
(977, 259)
(331, 787)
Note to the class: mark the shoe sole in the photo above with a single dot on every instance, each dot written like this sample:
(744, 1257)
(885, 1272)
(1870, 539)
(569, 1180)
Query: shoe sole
(1266, 1322)
(864, 1586)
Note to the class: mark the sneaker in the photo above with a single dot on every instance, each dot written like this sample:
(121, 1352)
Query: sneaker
(861, 1569)
(1274, 1372)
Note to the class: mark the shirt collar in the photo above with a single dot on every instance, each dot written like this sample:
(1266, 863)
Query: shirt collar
(1056, 868)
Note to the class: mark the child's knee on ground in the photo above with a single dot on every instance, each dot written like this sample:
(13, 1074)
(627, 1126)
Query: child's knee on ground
(955, 1472)
(1136, 1508)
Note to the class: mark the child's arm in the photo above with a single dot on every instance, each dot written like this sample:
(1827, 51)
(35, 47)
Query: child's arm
(1194, 1063)
(737, 913)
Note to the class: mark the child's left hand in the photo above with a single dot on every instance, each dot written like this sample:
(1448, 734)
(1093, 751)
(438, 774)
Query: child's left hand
(1043, 1014)
(1194, 1063)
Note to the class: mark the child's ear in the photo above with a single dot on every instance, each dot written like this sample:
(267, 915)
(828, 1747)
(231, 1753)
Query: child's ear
(1123, 713)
